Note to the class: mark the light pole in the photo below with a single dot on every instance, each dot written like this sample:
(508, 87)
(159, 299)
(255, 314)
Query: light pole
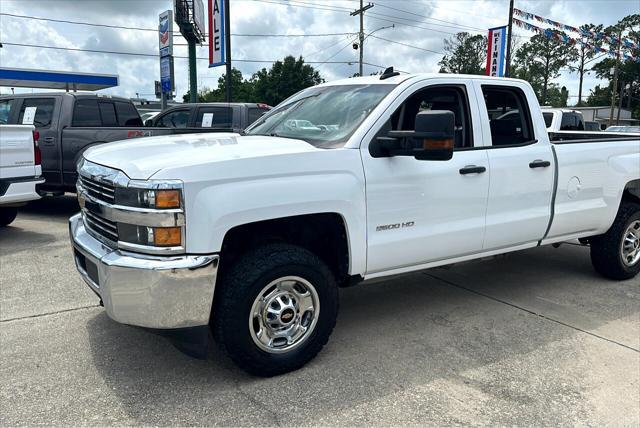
(356, 46)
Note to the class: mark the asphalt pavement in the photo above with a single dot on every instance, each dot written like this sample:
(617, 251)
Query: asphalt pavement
(534, 338)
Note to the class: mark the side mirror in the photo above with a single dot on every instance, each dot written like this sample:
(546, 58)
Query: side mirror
(433, 138)
(148, 122)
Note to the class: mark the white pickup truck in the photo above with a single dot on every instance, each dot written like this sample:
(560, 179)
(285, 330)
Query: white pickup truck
(20, 169)
(253, 234)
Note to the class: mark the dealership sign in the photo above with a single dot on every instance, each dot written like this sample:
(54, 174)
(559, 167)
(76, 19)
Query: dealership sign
(496, 51)
(216, 33)
(165, 30)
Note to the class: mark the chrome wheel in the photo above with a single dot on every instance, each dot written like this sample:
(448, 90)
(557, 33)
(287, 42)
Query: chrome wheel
(630, 248)
(284, 314)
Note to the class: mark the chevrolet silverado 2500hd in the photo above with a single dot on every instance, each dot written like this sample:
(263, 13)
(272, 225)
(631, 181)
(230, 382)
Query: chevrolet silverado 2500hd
(19, 169)
(253, 234)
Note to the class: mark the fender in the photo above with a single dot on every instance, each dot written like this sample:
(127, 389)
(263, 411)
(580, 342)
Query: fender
(322, 181)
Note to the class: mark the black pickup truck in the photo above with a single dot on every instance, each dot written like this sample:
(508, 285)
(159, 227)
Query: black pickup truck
(69, 123)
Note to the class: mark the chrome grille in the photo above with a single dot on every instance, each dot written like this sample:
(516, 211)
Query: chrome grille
(101, 226)
(98, 189)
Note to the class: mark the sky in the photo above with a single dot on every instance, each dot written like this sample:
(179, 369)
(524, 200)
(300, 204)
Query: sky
(423, 24)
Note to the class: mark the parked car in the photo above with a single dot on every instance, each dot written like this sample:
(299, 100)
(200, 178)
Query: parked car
(557, 119)
(408, 173)
(69, 123)
(234, 116)
(20, 169)
(631, 129)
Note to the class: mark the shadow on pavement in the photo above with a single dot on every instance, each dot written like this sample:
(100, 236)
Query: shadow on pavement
(58, 207)
(414, 333)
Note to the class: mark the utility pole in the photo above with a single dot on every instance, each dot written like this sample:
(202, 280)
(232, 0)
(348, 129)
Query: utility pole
(510, 29)
(361, 34)
(615, 80)
(193, 73)
(227, 49)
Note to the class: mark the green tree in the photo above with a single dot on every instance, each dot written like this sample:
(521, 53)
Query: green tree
(284, 79)
(628, 70)
(466, 54)
(540, 60)
(241, 90)
(585, 54)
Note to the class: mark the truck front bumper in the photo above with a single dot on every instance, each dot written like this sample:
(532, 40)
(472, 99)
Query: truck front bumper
(168, 292)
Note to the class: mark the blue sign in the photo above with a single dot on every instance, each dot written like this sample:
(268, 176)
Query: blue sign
(165, 74)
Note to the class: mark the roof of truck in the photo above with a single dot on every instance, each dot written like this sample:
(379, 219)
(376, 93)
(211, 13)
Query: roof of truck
(71, 94)
(375, 80)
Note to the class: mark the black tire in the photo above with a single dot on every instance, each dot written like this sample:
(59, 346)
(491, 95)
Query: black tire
(606, 254)
(7, 215)
(239, 287)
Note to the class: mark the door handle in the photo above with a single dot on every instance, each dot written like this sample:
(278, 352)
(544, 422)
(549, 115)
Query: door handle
(49, 140)
(538, 163)
(472, 169)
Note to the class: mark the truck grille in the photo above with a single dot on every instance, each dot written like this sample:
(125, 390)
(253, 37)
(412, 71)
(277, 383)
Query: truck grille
(101, 226)
(98, 189)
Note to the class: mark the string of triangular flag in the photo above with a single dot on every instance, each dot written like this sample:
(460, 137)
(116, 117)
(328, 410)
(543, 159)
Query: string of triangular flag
(570, 40)
(611, 39)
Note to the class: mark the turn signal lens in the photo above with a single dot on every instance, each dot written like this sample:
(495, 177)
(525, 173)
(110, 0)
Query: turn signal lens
(167, 236)
(167, 199)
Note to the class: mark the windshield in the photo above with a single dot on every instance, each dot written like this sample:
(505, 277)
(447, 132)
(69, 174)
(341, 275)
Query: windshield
(324, 116)
(548, 119)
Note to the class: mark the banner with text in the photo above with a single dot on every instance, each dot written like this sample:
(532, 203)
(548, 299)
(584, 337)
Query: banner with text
(496, 47)
(216, 33)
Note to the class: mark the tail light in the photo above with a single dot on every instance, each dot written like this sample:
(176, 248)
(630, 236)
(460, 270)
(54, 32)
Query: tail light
(37, 156)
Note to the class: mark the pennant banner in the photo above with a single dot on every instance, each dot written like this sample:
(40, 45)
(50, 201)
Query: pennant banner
(612, 40)
(496, 51)
(550, 34)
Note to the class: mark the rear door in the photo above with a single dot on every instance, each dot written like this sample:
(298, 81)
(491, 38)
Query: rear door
(43, 113)
(16, 151)
(521, 163)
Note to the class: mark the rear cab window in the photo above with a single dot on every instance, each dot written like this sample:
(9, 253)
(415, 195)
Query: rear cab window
(127, 114)
(509, 116)
(548, 119)
(86, 113)
(256, 113)
(214, 117)
(43, 108)
(572, 122)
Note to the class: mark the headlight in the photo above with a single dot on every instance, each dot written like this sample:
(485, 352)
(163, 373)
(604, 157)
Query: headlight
(148, 198)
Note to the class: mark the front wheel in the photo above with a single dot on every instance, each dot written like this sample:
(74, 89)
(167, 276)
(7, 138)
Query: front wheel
(616, 254)
(275, 309)
(7, 215)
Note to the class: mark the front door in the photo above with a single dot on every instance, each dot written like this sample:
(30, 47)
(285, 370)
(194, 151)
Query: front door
(424, 211)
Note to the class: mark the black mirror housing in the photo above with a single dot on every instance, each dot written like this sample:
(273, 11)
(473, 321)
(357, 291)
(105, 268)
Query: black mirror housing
(433, 138)
(148, 122)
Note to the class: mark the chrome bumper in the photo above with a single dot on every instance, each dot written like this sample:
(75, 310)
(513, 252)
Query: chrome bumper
(148, 291)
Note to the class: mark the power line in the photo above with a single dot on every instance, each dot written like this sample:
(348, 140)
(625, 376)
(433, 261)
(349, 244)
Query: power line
(121, 27)
(408, 45)
(150, 55)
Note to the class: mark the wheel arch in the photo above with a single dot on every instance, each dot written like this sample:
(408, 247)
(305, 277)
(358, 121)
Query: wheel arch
(325, 234)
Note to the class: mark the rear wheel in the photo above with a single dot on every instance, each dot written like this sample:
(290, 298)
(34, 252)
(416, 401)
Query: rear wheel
(7, 215)
(275, 309)
(616, 254)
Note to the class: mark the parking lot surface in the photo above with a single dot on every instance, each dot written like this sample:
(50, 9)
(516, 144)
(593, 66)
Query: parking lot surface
(533, 338)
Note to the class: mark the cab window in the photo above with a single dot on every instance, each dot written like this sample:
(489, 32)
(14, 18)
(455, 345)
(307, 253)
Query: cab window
(174, 119)
(214, 117)
(44, 111)
(5, 111)
(509, 117)
(448, 98)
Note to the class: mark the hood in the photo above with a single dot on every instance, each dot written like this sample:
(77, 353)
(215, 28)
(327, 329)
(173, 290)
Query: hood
(141, 158)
